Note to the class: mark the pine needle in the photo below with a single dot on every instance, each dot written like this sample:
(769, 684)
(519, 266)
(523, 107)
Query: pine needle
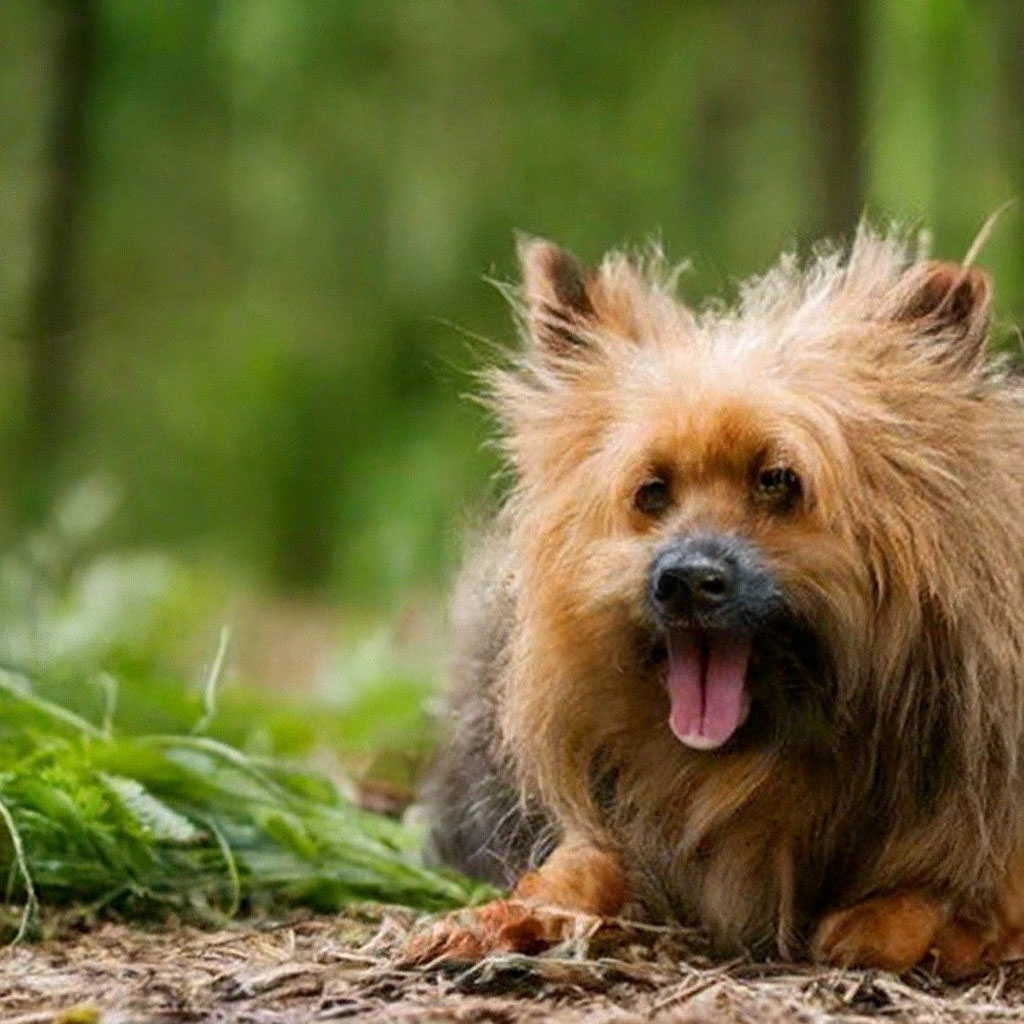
(18, 849)
(985, 232)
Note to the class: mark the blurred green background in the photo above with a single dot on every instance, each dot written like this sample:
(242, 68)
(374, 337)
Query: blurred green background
(245, 241)
(244, 251)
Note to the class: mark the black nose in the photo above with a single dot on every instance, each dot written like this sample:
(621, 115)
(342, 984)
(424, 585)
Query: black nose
(692, 578)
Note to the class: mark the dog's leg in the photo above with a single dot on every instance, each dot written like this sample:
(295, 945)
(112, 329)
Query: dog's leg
(967, 947)
(892, 932)
(577, 884)
(901, 929)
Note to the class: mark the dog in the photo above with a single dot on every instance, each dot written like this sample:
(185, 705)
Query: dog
(744, 644)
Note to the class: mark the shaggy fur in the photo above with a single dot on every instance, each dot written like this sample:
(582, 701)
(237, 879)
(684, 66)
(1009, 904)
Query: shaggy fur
(883, 755)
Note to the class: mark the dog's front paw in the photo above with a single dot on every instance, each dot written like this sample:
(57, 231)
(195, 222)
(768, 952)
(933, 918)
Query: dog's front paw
(891, 933)
(503, 926)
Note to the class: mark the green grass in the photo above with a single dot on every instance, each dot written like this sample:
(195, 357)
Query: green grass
(154, 823)
(126, 787)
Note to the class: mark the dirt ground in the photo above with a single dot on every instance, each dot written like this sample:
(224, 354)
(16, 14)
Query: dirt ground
(310, 968)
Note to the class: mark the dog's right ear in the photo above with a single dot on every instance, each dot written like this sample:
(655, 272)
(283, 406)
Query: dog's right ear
(558, 295)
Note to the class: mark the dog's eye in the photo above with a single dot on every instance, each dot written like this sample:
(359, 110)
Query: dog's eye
(653, 496)
(778, 484)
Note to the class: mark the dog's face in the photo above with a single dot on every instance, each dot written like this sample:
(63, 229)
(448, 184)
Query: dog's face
(709, 556)
(727, 554)
(709, 506)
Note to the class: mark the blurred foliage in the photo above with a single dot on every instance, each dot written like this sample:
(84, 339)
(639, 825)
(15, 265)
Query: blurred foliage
(113, 636)
(288, 210)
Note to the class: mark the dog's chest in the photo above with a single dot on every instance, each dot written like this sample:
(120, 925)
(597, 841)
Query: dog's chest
(750, 877)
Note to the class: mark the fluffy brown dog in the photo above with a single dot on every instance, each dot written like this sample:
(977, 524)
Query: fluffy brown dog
(745, 644)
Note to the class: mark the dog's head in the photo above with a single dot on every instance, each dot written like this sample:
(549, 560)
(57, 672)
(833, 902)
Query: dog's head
(742, 517)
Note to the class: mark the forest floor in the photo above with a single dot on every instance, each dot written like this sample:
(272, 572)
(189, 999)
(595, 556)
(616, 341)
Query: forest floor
(328, 968)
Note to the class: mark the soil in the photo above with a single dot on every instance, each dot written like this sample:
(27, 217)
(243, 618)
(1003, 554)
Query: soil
(331, 968)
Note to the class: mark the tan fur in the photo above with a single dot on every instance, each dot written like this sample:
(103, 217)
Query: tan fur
(865, 369)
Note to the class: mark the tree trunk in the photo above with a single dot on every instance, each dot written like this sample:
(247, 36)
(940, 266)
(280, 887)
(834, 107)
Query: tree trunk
(837, 54)
(53, 302)
(1010, 27)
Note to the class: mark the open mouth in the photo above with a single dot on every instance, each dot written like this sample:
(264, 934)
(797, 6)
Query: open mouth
(706, 681)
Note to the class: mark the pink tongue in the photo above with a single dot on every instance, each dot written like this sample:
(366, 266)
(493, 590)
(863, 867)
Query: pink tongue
(706, 689)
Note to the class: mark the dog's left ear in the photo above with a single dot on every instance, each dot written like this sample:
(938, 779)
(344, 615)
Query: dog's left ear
(951, 306)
